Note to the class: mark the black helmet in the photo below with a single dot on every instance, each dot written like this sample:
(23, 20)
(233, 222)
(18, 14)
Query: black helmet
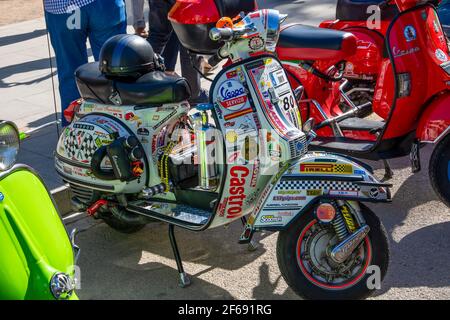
(126, 56)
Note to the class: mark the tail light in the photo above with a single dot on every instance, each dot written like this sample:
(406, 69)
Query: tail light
(72, 110)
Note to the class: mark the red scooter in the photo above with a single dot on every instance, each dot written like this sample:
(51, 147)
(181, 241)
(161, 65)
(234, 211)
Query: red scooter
(392, 114)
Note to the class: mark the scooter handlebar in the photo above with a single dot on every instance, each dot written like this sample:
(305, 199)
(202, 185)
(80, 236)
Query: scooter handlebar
(224, 34)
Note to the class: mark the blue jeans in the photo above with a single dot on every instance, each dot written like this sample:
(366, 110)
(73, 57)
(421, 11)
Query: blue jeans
(97, 21)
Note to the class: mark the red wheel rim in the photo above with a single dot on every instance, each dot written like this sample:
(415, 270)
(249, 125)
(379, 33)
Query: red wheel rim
(310, 277)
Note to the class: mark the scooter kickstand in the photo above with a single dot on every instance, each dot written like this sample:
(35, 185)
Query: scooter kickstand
(184, 280)
(388, 173)
(252, 245)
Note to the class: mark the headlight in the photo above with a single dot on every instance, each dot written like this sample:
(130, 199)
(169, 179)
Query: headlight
(9, 144)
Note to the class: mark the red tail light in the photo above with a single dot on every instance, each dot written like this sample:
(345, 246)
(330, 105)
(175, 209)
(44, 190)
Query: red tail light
(72, 110)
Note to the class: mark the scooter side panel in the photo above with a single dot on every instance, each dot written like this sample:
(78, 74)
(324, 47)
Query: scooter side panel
(418, 50)
(33, 241)
(315, 176)
(435, 121)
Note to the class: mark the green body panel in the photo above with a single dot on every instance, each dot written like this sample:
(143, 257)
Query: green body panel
(33, 241)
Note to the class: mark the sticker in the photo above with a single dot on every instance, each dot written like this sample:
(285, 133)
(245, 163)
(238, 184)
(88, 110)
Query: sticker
(238, 114)
(314, 192)
(232, 74)
(237, 191)
(256, 43)
(232, 95)
(326, 168)
(441, 56)
(410, 33)
(289, 198)
(231, 136)
(143, 132)
(270, 219)
(346, 193)
(2, 197)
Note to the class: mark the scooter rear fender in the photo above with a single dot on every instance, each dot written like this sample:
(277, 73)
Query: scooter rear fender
(434, 122)
(316, 177)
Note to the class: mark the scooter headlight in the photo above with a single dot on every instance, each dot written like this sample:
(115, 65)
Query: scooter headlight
(9, 144)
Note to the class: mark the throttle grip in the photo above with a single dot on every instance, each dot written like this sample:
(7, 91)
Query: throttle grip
(224, 34)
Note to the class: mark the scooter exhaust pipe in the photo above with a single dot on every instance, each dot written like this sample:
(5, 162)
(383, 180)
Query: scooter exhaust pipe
(343, 250)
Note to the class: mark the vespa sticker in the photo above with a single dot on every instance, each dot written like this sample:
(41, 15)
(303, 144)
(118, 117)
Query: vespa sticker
(441, 56)
(256, 43)
(410, 33)
(233, 96)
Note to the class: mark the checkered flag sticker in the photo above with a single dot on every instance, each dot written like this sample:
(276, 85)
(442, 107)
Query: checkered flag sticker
(80, 146)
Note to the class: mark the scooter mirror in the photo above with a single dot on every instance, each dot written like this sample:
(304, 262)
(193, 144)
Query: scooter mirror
(9, 144)
(309, 125)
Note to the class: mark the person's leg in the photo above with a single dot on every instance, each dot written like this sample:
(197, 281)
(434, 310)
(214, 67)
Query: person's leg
(188, 72)
(170, 53)
(106, 19)
(138, 14)
(160, 27)
(71, 52)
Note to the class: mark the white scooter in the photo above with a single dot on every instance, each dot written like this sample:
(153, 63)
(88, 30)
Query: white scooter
(244, 154)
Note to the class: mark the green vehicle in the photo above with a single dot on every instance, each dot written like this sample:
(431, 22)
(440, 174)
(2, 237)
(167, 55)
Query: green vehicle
(37, 256)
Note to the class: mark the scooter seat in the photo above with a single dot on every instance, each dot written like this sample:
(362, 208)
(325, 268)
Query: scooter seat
(301, 42)
(359, 124)
(342, 145)
(152, 89)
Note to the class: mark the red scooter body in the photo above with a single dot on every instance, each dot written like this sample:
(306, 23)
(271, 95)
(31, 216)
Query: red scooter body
(410, 65)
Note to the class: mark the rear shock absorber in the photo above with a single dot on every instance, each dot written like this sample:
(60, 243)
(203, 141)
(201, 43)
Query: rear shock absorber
(339, 225)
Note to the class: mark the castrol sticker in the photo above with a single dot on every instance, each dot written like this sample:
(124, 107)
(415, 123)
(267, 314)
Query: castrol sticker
(237, 195)
(232, 95)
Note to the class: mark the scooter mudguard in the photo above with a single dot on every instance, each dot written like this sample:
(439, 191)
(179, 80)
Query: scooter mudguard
(435, 121)
(34, 244)
(316, 176)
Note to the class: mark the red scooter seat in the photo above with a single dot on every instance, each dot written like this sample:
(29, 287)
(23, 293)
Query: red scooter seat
(301, 42)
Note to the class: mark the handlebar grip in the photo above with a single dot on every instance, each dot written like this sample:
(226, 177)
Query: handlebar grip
(215, 59)
(224, 34)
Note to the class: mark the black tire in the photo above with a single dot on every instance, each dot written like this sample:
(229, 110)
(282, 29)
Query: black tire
(439, 170)
(121, 225)
(289, 264)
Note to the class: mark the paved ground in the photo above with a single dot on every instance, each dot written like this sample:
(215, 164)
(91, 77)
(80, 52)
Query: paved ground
(141, 265)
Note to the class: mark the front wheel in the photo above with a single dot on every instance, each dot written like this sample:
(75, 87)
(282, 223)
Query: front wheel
(308, 270)
(439, 170)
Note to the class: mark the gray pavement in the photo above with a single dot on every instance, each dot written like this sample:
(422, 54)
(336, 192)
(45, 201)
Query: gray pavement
(141, 266)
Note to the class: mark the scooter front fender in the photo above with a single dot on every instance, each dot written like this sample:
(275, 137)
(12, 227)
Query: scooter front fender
(34, 244)
(317, 176)
(434, 122)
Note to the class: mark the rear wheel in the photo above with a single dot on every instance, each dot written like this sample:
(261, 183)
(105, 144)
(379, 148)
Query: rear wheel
(439, 170)
(308, 270)
(120, 224)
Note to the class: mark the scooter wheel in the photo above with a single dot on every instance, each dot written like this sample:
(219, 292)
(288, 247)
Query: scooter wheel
(121, 225)
(307, 269)
(439, 170)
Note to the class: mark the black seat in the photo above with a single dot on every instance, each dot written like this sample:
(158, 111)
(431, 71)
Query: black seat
(360, 124)
(303, 36)
(357, 10)
(352, 147)
(152, 89)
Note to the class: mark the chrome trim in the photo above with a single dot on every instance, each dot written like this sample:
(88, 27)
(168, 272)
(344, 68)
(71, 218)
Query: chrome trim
(62, 286)
(343, 250)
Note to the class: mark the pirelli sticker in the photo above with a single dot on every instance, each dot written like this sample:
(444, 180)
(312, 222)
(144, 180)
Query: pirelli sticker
(327, 168)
